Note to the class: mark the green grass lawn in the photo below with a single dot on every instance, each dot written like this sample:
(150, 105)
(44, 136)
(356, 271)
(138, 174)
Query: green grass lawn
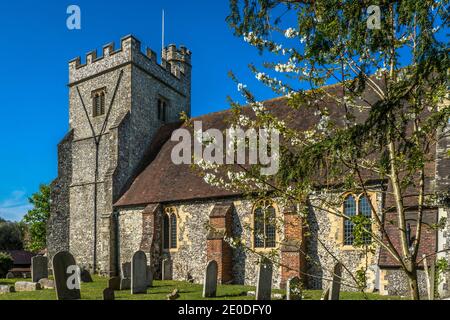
(160, 289)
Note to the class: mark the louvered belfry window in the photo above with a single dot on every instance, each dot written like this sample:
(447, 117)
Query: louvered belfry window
(98, 102)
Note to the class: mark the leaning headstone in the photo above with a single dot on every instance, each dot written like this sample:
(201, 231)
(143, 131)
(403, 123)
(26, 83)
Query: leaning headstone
(294, 289)
(47, 283)
(336, 284)
(108, 294)
(67, 276)
(149, 276)
(39, 268)
(166, 269)
(6, 289)
(125, 276)
(10, 275)
(114, 283)
(264, 280)
(126, 270)
(26, 286)
(210, 281)
(85, 276)
(139, 273)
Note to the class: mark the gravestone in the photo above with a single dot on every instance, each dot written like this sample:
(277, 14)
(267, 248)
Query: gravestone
(39, 268)
(126, 270)
(6, 289)
(149, 276)
(47, 283)
(26, 286)
(67, 276)
(139, 273)
(336, 284)
(108, 294)
(125, 276)
(210, 281)
(85, 276)
(114, 283)
(264, 280)
(294, 289)
(10, 275)
(166, 269)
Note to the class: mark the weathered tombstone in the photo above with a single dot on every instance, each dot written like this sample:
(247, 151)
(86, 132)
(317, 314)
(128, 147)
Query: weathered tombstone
(67, 276)
(264, 280)
(26, 286)
(126, 270)
(108, 294)
(210, 281)
(85, 276)
(10, 275)
(139, 273)
(149, 276)
(125, 276)
(47, 283)
(294, 289)
(336, 284)
(6, 289)
(114, 283)
(39, 268)
(429, 275)
(166, 269)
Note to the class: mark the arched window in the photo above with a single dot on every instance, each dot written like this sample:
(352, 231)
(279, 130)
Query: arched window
(264, 225)
(366, 211)
(350, 210)
(166, 231)
(173, 231)
(169, 229)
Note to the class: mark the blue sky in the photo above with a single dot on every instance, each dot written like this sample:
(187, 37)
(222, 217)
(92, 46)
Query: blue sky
(36, 47)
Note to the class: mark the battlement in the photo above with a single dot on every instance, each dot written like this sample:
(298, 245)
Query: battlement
(175, 63)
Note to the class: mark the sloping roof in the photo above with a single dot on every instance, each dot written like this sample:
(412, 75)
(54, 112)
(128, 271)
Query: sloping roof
(164, 181)
(21, 257)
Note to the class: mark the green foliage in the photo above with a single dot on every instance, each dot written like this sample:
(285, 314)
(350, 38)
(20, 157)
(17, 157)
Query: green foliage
(36, 219)
(10, 236)
(6, 263)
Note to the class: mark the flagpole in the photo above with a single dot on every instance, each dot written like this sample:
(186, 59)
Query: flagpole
(162, 35)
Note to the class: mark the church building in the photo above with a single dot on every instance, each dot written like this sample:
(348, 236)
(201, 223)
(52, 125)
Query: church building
(118, 191)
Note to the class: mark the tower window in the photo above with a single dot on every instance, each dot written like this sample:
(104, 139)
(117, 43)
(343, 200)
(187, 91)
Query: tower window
(162, 110)
(98, 102)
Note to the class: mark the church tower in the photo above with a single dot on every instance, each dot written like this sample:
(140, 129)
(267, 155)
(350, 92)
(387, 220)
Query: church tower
(117, 102)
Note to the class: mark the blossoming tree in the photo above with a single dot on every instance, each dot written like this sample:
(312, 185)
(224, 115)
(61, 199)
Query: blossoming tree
(364, 144)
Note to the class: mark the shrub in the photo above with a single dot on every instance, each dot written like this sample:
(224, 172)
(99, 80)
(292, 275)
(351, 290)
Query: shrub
(6, 263)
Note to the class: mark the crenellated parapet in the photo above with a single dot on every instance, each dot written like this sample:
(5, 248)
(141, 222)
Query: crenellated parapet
(174, 69)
